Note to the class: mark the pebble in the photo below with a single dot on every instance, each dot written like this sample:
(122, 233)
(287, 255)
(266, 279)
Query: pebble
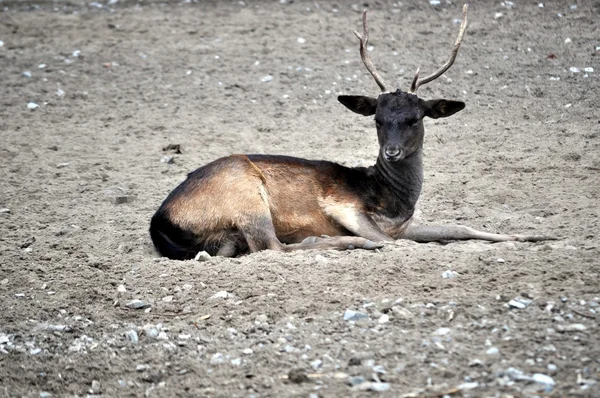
(45, 394)
(26, 74)
(35, 351)
(1, 43)
(60, 92)
(121, 289)
(492, 351)
(351, 315)
(449, 274)
(221, 295)
(217, 359)
(151, 330)
(95, 387)
(301, 40)
(119, 200)
(402, 312)
(167, 299)
(247, 351)
(202, 256)
(356, 380)
(475, 362)
(32, 105)
(574, 69)
(519, 303)
(4, 210)
(262, 318)
(574, 327)
(137, 304)
(547, 381)
(372, 386)
(132, 336)
(588, 69)
(236, 361)
(316, 364)
(385, 318)
(266, 79)
(441, 331)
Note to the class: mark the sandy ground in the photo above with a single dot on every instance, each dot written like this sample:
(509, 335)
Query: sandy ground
(82, 174)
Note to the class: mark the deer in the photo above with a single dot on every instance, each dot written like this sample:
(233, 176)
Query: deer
(242, 204)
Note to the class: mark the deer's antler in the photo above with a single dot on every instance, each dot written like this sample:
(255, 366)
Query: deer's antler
(364, 41)
(416, 83)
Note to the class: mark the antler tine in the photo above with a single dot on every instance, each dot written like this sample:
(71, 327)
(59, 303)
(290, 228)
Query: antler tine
(463, 27)
(364, 40)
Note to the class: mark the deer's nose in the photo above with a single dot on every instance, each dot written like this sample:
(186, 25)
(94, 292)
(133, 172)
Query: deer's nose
(392, 152)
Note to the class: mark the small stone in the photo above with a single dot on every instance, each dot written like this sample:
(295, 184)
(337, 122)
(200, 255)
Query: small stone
(500, 260)
(475, 362)
(121, 289)
(141, 367)
(356, 380)
(449, 274)
(316, 364)
(1, 44)
(301, 40)
(546, 380)
(45, 394)
(519, 303)
(119, 200)
(552, 368)
(221, 295)
(151, 330)
(498, 15)
(168, 159)
(236, 361)
(297, 376)
(442, 331)
(435, 2)
(372, 386)
(2, 211)
(267, 79)
(351, 315)
(26, 74)
(247, 351)
(95, 387)
(132, 336)
(32, 106)
(35, 351)
(217, 359)
(167, 299)
(202, 256)
(262, 318)
(574, 327)
(589, 69)
(567, 40)
(574, 69)
(384, 318)
(402, 312)
(137, 304)
(60, 92)
(492, 351)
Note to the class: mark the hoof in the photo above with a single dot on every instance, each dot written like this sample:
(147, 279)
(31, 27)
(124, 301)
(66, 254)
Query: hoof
(370, 245)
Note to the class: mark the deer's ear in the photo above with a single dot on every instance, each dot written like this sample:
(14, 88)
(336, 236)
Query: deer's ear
(441, 108)
(365, 106)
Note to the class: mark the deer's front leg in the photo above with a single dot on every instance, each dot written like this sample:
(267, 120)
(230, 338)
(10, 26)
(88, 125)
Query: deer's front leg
(360, 224)
(435, 233)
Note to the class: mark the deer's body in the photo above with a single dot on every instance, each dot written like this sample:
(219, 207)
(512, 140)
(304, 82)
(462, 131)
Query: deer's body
(246, 203)
(223, 202)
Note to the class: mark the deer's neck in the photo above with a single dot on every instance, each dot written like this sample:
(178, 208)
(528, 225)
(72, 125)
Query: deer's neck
(404, 180)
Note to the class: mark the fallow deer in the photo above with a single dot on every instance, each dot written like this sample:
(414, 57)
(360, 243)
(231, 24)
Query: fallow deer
(246, 203)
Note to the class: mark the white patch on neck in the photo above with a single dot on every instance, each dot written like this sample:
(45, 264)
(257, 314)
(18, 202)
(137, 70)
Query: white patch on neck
(343, 213)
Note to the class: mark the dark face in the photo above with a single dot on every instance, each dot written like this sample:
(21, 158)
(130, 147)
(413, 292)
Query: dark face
(399, 119)
(399, 123)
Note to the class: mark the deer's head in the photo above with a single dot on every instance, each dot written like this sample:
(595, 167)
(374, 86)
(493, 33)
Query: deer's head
(399, 115)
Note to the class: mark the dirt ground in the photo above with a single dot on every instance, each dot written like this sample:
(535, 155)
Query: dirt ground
(83, 172)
